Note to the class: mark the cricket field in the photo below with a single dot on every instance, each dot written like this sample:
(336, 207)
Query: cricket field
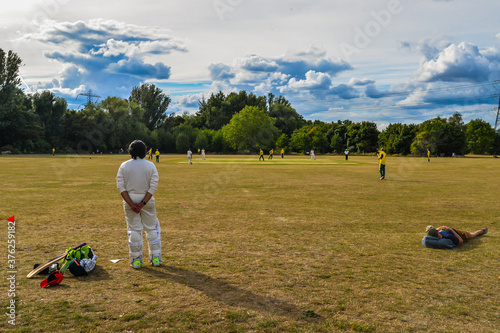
(284, 245)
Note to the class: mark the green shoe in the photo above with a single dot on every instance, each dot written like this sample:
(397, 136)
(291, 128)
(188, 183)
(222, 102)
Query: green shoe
(136, 264)
(156, 262)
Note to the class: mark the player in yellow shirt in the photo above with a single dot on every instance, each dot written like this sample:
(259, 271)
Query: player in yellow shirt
(150, 153)
(381, 165)
(428, 155)
(53, 151)
(271, 153)
(282, 152)
(157, 153)
(261, 155)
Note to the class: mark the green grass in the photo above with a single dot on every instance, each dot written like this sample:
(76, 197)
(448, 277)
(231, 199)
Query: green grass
(288, 245)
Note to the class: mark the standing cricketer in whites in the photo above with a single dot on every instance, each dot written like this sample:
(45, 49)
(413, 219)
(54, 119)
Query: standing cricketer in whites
(313, 157)
(137, 181)
(203, 154)
(381, 162)
(190, 156)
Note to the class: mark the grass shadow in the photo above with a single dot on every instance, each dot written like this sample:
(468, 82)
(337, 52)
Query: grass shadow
(470, 245)
(224, 292)
(98, 274)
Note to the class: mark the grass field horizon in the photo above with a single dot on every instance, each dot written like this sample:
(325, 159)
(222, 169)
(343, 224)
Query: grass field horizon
(288, 245)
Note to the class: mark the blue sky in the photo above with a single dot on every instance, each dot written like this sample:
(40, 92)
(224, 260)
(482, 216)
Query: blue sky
(383, 61)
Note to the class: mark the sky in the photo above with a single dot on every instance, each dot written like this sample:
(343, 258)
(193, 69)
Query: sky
(385, 61)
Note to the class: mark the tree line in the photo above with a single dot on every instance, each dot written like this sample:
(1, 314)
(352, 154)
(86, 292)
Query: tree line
(224, 123)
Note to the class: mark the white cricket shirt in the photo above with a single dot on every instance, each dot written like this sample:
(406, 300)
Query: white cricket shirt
(137, 177)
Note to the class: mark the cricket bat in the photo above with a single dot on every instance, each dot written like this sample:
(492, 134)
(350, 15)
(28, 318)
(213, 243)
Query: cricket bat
(52, 261)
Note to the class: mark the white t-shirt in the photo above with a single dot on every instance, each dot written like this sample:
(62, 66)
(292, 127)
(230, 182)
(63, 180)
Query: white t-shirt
(189, 153)
(137, 176)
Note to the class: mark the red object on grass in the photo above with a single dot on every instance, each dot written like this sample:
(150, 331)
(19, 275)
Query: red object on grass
(11, 219)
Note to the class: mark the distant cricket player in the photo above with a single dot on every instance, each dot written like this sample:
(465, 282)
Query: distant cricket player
(157, 153)
(282, 152)
(150, 153)
(53, 151)
(203, 154)
(190, 156)
(313, 157)
(261, 155)
(137, 181)
(346, 153)
(271, 153)
(381, 165)
(428, 155)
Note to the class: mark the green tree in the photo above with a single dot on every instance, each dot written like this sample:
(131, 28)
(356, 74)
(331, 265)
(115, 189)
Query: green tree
(287, 119)
(218, 110)
(251, 128)
(154, 103)
(51, 111)
(219, 144)
(456, 136)
(300, 140)
(431, 135)
(397, 138)
(337, 143)
(203, 140)
(9, 95)
(363, 135)
(182, 143)
(283, 141)
(480, 136)
(422, 142)
(188, 137)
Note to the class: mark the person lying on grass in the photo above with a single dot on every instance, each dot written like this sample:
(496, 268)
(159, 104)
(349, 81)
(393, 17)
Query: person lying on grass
(457, 236)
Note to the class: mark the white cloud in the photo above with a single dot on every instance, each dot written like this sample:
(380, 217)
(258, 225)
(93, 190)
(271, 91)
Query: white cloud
(313, 81)
(105, 55)
(360, 82)
(462, 62)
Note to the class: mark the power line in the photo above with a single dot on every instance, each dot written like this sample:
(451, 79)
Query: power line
(89, 96)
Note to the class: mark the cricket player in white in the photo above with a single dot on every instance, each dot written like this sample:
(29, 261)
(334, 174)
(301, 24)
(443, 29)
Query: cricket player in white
(190, 155)
(313, 157)
(137, 181)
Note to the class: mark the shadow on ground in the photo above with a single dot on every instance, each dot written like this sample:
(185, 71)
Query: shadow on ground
(224, 292)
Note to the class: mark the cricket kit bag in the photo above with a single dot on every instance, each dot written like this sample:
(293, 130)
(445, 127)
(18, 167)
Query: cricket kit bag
(81, 261)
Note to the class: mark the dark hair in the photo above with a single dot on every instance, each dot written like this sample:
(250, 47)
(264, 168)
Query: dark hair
(137, 149)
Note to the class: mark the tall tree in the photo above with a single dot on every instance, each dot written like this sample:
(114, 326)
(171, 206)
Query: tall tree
(52, 111)
(154, 103)
(218, 110)
(397, 138)
(251, 128)
(9, 79)
(19, 129)
(480, 136)
(363, 135)
(287, 119)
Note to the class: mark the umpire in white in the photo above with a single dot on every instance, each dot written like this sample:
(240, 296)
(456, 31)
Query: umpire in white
(137, 181)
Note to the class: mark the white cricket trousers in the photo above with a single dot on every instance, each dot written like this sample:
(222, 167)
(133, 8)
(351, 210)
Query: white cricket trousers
(146, 220)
